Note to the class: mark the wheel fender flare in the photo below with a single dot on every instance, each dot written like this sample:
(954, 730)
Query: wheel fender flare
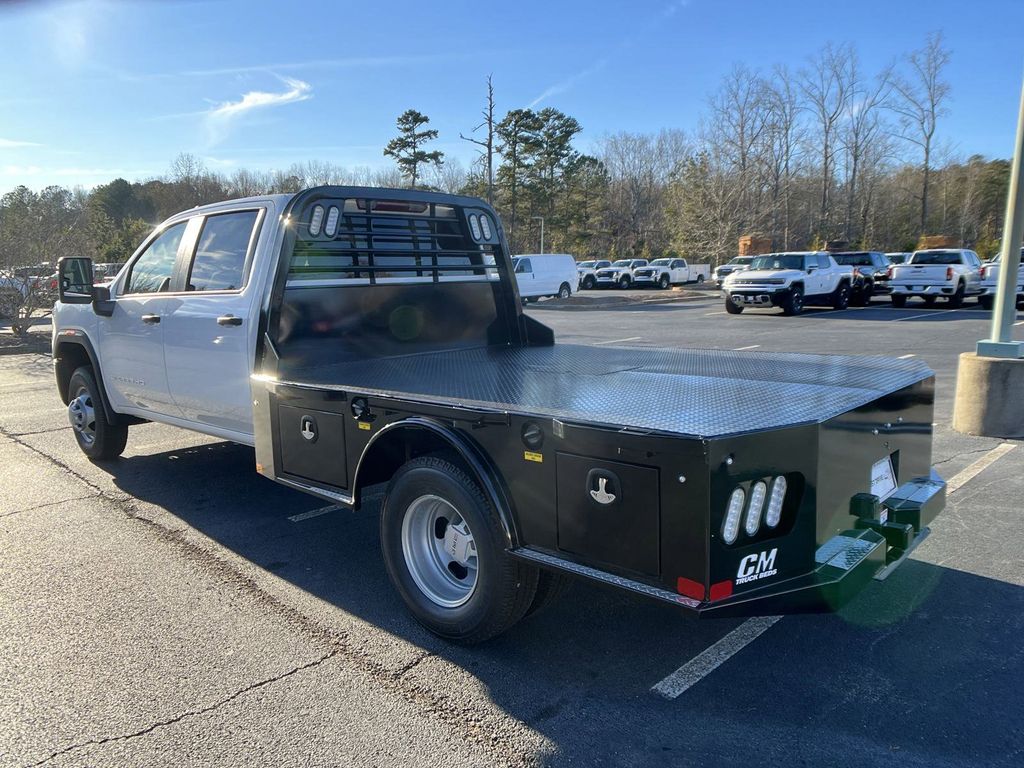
(479, 465)
(79, 338)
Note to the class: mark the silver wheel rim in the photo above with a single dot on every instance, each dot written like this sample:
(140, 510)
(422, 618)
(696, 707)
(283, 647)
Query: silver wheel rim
(82, 416)
(439, 551)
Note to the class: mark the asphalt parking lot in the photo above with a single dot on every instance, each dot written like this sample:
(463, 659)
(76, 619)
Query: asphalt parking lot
(174, 608)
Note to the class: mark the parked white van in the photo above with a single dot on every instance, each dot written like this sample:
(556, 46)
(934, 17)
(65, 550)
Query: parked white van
(546, 274)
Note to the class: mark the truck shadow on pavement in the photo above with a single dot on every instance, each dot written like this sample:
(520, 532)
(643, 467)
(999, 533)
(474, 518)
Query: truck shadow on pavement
(925, 668)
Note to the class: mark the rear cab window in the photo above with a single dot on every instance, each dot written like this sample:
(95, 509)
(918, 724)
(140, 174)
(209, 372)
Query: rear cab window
(222, 253)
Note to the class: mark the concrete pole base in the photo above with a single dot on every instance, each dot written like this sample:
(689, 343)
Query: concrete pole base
(989, 396)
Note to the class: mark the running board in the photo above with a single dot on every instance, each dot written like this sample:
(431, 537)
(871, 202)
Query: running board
(575, 569)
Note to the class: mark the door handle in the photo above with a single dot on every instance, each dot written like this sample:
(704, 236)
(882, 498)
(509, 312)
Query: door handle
(151, 319)
(229, 320)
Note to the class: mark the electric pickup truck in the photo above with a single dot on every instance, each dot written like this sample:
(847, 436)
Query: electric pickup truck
(790, 281)
(949, 273)
(358, 337)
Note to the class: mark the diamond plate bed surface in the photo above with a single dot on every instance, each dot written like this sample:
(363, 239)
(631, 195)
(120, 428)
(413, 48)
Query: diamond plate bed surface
(700, 392)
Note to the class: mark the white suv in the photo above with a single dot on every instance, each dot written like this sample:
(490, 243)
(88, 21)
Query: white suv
(789, 280)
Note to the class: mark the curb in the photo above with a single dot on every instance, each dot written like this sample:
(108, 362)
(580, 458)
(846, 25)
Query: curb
(611, 303)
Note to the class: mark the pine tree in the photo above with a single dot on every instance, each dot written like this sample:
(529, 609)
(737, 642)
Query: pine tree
(407, 147)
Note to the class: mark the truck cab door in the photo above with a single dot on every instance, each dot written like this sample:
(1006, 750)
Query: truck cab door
(209, 334)
(680, 271)
(131, 347)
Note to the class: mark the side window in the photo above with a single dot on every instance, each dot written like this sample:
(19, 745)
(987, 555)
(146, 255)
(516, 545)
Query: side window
(152, 271)
(823, 261)
(219, 261)
(524, 267)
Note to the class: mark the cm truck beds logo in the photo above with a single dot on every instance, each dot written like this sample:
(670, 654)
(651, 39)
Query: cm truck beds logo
(759, 566)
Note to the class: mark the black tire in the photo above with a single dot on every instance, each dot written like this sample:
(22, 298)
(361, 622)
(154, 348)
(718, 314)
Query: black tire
(663, 282)
(733, 309)
(97, 437)
(794, 305)
(841, 297)
(588, 283)
(700, 279)
(929, 301)
(987, 301)
(898, 300)
(862, 297)
(504, 588)
(624, 282)
(564, 291)
(550, 587)
(957, 299)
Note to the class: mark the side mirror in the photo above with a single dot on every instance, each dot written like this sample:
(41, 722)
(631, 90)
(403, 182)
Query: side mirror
(74, 280)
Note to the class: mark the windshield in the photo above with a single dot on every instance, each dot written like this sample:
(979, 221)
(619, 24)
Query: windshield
(742, 261)
(586, 264)
(853, 259)
(936, 257)
(661, 262)
(778, 261)
(622, 263)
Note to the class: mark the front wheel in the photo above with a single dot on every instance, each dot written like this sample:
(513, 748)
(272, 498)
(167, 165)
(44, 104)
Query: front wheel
(663, 282)
(564, 291)
(898, 300)
(624, 282)
(95, 435)
(794, 305)
(444, 551)
(733, 308)
(588, 283)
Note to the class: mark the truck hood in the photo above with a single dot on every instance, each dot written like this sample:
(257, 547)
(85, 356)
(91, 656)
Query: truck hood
(755, 275)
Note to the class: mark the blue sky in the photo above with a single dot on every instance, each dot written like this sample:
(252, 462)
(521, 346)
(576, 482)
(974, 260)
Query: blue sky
(95, 90)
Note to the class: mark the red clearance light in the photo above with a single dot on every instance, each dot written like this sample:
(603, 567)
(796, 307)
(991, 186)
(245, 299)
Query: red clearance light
(392, 206)
(690, 588)
(721, 590)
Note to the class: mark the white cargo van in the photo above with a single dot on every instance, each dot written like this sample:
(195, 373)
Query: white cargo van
(546, 274)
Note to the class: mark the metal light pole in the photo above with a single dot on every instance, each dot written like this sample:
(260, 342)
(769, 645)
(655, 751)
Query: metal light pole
(1001, 343)
(541, 219)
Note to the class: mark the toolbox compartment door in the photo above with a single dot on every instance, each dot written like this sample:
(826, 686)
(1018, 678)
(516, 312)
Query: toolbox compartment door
(609, 512)
(313, 445)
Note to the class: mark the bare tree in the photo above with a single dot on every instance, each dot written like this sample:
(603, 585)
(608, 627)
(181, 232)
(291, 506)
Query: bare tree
(826, 87)
(921, 101)
(450, 177)
(784, 137)
(486, 144)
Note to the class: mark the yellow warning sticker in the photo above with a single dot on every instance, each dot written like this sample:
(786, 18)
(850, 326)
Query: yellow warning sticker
(531, 456)
(364, 425)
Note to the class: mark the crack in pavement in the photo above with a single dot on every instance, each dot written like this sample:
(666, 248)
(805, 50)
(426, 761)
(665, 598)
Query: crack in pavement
(486, 730)
(49, 504)
(184, 715)
(962, 455)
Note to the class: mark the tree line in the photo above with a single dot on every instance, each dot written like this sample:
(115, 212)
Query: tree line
(803, 156)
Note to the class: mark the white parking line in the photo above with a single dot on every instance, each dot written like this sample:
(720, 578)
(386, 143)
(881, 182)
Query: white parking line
(741, 349)
(711, 658)
(313, 513)
(709, 314)
(1020, 323)
(925, 314)
(906, 357)
(618, 341)
(965, 475)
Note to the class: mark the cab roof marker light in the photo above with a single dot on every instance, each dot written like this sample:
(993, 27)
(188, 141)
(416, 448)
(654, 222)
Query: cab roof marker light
(474, 226)
(485, 226)
(778, 496)
(316, 220)
(731, 525)
(757, 494)
(332, 221)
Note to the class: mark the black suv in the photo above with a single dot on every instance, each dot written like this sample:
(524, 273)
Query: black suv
(870, 274)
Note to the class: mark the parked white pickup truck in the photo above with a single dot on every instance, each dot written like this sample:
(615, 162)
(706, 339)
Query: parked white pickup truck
(619, 274)
(990, 279)
(662, 273)
(950, 273)
(587, 271)
(789, 280)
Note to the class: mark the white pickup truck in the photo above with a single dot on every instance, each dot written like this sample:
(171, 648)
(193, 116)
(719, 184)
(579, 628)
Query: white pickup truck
(990, 279)
(619, 274)
(950, 273)
(662, 273)
(587, 271)
(789, 281)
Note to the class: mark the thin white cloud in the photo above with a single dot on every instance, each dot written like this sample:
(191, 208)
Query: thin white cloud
(220, 119)
(569, 82)
(11, 144)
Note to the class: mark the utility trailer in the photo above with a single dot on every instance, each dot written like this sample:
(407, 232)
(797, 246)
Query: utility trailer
(390, 346)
